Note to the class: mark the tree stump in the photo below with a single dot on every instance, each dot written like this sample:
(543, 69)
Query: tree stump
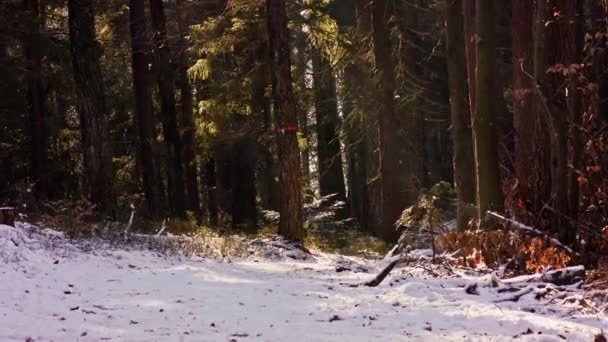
(7, 216)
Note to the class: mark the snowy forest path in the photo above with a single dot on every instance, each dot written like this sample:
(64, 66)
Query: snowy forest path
(116, 295)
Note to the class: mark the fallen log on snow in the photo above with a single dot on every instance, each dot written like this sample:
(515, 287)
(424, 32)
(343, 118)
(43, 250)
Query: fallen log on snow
(564, 276)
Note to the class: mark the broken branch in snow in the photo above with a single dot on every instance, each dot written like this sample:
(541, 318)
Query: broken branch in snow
(383, 274)
(529, 230)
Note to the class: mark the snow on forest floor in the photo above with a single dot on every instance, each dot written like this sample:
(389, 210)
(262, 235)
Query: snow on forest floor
(66, 294)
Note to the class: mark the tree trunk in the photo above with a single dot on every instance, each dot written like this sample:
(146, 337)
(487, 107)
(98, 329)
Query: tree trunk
(211, 192)
(416, 134)
(523, 99)
(301, 67)
(192, 188)
(575, 106)
(223, 174)
(461, 118)
(394, 200)
(489, 192)
(96, 143)
(260, 105)
(354, 147)
(244, 212)
(354, 130)
(290, 207)
(140, 50)
(468, 8)
(368, 149)
(541, 180)
(175, 180)
(563, 35)
(331, 174)
(39, 142)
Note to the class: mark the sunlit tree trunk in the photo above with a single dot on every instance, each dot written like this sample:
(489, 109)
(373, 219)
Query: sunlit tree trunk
(290, 206)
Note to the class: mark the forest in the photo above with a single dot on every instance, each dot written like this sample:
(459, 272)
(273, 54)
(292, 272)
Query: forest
(460, 144)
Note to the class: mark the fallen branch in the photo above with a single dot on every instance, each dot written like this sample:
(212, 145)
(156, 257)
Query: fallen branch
(529, 230)
(516, 296)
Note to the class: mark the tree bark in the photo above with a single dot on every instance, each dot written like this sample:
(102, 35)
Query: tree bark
(175, 180)
(39, 135)
(140, 61)
(489, 192)
(461, 118)
(190, 143)
(394, 200)
(290, 207)
(331, 174)
(96, 143)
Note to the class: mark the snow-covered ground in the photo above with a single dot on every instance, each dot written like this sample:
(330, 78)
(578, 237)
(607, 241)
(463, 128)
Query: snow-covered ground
(65, 294)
